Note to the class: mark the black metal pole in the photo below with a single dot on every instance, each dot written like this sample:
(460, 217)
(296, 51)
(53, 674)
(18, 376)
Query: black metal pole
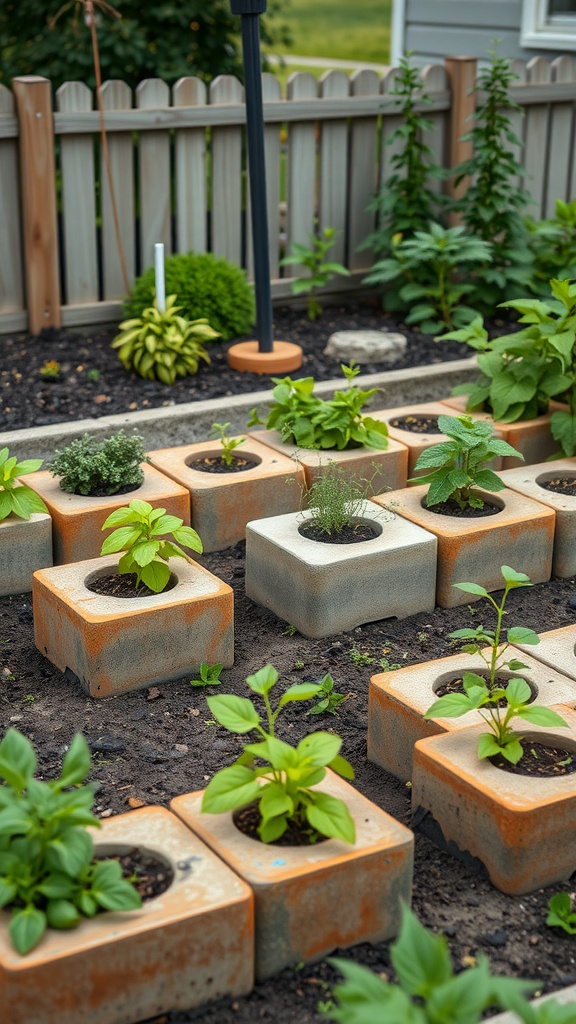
(250, 10)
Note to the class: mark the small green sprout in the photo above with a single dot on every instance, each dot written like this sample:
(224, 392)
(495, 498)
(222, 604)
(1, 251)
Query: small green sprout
(209, 675)
(220, 430)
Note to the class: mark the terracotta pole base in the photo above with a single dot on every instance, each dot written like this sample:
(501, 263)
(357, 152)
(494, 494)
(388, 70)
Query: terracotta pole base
(284, 357)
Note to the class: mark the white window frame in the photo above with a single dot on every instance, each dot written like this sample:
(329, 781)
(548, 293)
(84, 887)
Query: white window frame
(541, 31)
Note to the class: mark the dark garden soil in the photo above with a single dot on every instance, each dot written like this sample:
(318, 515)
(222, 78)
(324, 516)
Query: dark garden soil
(93, 382)
(157, 743)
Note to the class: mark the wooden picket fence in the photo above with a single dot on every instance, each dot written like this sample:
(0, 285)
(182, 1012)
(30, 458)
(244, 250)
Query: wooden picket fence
(179, 168)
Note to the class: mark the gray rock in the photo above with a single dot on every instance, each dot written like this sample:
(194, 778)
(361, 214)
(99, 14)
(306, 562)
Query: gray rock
(108, 744)
(366, 346)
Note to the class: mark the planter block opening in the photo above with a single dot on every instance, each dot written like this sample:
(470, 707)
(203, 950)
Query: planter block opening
(309, 900)
(25, 545)
(324, 589)
(114, 644)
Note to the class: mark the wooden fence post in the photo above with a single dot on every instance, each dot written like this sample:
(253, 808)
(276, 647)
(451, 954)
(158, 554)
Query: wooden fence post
(38, 188)
(461, 73)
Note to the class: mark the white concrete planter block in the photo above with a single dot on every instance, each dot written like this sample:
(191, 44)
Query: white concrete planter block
(471, 550)
(564, 996)
(187, 946)
(399, 700)
(324, 589)
(309, 900)
(386, 470)
(522, 828)
(115, 644)
(527, 480)
(222, 503)
(25, 545)
(557, 648)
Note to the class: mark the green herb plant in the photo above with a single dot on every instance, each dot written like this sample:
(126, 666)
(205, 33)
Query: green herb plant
(47, 875)
(562, 912)
(428, 991)
(552, 243)
(50, 370)
(329, 700)
(91, 466)
(430, 262)
(522, 371)
(360, 658)
(229, 444)
(163, 345)
(484, 695)
(282, 785)
(209, 675)
(320, 269)
(315, 423)
(16, 498)
(140, 532)
(491, 205)
(406, 202)
(458, 465)
(335, 500)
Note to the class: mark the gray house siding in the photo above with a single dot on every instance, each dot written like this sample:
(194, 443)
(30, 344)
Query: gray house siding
(434, 29)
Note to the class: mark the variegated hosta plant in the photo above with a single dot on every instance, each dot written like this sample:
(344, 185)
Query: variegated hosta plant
(163, 345)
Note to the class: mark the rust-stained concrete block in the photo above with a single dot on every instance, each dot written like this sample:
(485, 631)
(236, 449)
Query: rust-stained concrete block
(25, 545)
(527, 480)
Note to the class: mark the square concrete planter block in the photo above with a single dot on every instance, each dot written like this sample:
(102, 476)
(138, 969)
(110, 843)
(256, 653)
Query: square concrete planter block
(557, 648)
(416, 442)
(115, 644)
(472, 550)
(25, 545)
(189, 945)
(527, 480)
(522, 828)
(77, 520)
(530, 437)
(329, 588)
(399, 700)
(311, 899)
(222, 503)
(387, 470)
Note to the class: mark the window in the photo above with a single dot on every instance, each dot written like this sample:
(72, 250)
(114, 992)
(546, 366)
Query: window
(549, 24)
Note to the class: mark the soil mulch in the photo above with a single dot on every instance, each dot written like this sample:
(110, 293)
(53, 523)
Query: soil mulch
(154, 744)
(539, 760)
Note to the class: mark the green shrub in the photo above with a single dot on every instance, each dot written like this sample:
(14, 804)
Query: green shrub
(97, 467)
(206, 287)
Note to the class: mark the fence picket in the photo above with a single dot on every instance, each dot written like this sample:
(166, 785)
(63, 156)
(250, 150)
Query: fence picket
(78, 201)
(561, 138)
(117, 95)
(190, 155)
(517, 117)
(301, 168)
(334, 166)
(11, 280)
(435, 79)
(226, 205)
(538, 72)
(363, 171)
(154, 174)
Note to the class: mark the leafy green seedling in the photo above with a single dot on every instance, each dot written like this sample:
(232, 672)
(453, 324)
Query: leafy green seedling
(481, 693)
(313, 257)
(209, 675)
(429, 992)
(360, 658)
(47, 875)
(329, 700)
(220, 430)
(562, 912)
(140, 531)
(458, 465)
(17, 498)
(283, 784)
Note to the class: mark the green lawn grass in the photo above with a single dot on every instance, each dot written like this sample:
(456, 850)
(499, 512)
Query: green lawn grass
(338, 28)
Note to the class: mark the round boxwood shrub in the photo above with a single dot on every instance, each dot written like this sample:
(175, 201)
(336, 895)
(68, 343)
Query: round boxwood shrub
(205, 286)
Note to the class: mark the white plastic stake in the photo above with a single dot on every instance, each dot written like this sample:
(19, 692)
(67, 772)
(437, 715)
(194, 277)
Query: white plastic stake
(159, 273)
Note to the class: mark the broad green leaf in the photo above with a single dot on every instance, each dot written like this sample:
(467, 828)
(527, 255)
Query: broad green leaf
(365, 998)
(17, 759)
(281, 755)
(26, 928)
(144, 551)
(263, 680)
(8, 891)
(120, 540)
(518, 692)
(69, 852)
(471, 588)
(188, 537)
(57, 887)
(271, 829)
(156, 576)
(452, 705)
(142, 508)
(300, 691)
(319, 748)
(421, 960)
(331, 817)
(237, 714)
(539, 715)
(275, 801)
(76, 763)
(61, 913)
(488, 746)
(342, 767)
(167, 524)
(522, 635)
(120, 517)
(511, 576)
(230, 788)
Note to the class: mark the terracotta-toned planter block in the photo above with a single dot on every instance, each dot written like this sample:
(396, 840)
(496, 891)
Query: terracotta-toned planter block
(77, 520)
(222, 503)
(399, 700)
(522, 828)
(557, 648)
(324, 589)
(530, 437)
(25, 545)
(191, 944)
(115, 644)
(472, 550)
(309, 900)
(527, 480)
(417, 443)
(386, 470)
